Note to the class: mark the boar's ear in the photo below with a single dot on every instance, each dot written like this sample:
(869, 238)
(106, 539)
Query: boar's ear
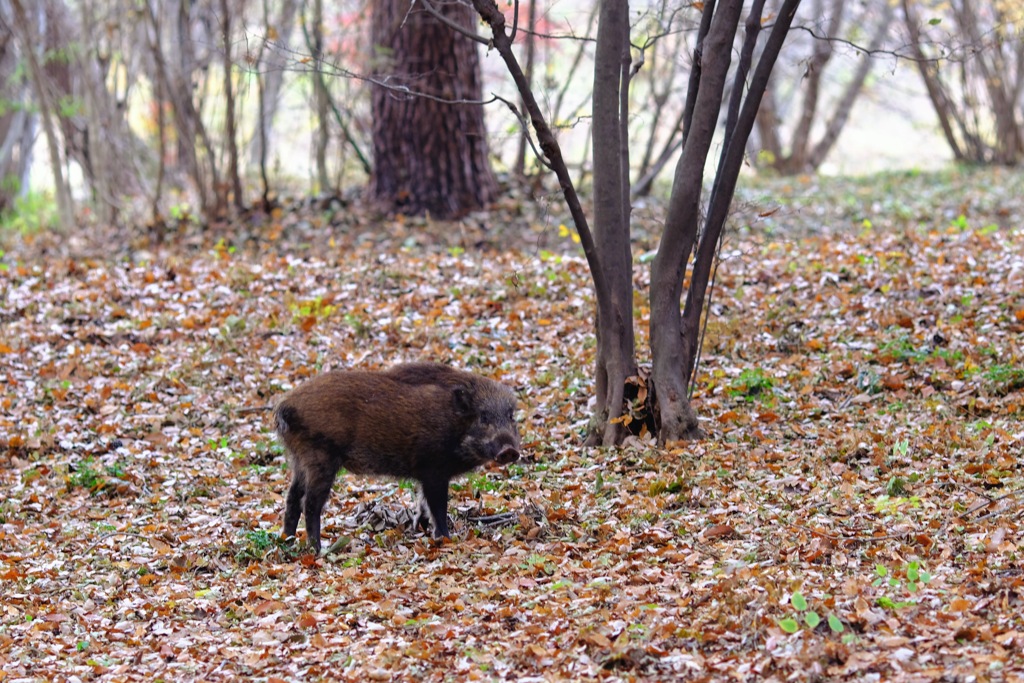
(463, 399)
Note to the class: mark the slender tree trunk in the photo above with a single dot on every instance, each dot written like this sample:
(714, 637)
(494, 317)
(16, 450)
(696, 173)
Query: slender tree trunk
(271, 79)
(230, 124)
(661, 88)
(674, 354)
(616, 356)
(32, 40)
(675, 338)
(192, 135)
(322, 98)
(547, 141)
(999, 85)
(944, 109)
(804, 155)
(670, 351)
(530, 47)
(796, 160)
(17, 124)
(844, 106)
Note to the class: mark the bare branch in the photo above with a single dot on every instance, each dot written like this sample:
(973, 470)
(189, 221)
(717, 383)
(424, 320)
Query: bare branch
(451, 24)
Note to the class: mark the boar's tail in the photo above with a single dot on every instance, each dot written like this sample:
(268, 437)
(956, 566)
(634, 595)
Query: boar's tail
(286, 419)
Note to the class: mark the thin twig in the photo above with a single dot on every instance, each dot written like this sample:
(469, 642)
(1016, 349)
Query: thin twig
(989, 502)
(111, 534)
(526, 130)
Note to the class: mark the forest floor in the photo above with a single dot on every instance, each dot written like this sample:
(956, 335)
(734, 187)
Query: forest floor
(854, 512)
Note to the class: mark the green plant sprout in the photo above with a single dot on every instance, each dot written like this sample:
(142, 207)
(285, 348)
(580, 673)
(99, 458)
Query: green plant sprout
(808, 616)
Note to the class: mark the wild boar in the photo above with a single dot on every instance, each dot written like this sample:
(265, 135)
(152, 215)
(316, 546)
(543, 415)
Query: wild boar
(420, 421)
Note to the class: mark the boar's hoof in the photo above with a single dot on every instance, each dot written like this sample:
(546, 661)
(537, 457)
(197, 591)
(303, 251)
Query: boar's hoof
(507, 455)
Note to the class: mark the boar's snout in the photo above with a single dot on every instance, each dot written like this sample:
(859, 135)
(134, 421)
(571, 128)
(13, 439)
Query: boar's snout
(506, 455)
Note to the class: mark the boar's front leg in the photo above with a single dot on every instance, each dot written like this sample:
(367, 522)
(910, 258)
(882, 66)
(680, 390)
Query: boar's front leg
(293, 505)
(435, 495)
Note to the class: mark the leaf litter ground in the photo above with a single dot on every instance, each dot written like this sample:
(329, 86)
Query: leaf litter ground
(862, 390)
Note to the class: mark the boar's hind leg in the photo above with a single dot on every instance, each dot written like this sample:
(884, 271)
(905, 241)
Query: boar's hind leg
(293, 505)
(435, 494)
(318, 490)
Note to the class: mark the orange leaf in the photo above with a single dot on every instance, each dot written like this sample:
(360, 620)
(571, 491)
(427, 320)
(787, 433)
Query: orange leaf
(959, 605)
(268, 606)
(719, 530)
(159, 546)
(893, 382)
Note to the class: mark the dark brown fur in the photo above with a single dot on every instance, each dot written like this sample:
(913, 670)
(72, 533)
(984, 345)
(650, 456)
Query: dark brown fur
(420, 421)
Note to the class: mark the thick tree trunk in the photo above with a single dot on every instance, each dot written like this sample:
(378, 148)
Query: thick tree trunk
(430, 152)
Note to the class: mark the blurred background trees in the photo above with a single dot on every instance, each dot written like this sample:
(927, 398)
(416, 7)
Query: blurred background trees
(970, 54)
(141, 112)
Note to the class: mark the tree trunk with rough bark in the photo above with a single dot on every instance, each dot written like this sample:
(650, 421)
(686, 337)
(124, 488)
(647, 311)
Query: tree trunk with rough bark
(429, 139)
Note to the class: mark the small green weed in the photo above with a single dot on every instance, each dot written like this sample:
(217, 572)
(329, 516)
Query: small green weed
(902, 349)
(752, 383)
(256, 544)
(480, 483)
(1004, 378)
(915, 577)
(87, 476)
(808, 616)
(221, 446)
(896, 486)
(894, 506)
(313, 309)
